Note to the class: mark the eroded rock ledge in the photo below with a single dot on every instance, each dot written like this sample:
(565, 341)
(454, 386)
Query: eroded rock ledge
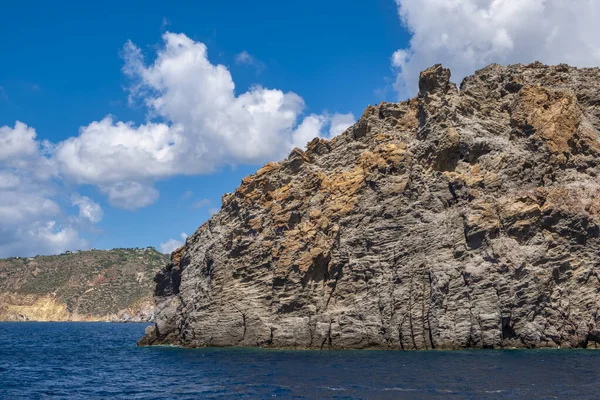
(460, 218)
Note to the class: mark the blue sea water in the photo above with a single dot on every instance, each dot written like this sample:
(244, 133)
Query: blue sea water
(97, 360)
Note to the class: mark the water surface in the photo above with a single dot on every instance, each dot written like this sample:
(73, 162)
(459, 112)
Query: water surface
(97, 360)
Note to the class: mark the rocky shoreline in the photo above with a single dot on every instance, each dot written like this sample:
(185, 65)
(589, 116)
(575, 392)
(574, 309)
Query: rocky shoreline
(462, 218)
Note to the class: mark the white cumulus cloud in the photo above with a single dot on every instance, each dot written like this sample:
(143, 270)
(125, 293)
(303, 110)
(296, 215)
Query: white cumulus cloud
(32, 220)
(203, 124)
(172, 244)
(107, 152)
(130, 195)
(310, 128)
(88, 209)
(338, 123)
(466, 35)
(216, 125)
(17, 141)
(326, 126)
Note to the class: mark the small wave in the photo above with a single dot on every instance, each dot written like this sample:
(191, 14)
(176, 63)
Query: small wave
(333, 388)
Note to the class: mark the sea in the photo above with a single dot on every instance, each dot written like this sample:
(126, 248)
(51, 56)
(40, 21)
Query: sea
(101, 361)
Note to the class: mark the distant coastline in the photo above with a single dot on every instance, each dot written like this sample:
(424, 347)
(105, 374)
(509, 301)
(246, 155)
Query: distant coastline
(83, 286)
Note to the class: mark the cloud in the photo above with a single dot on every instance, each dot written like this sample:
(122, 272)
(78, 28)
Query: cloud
(172, 244)
(308, 129)
(338, 123)
(187, 198)
(201, 203)
(40, 238)
(130, 195)
(32, 219)
(196, 123)
(466, 35)
(109, 152)
(213, 210)
(183, 87)
(245, 58)
(19, 209)
(164, 23)
(17, 142)
(201, 124)
(88, 209)
(326, 126)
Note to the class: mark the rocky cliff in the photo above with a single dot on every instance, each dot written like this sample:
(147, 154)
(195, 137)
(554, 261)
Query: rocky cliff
(464, 217)
(114, 285)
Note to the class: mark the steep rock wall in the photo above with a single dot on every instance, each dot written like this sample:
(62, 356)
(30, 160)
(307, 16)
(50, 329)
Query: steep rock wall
(460, 218)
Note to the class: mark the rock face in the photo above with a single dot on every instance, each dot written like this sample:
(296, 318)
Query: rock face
(113, 285)
(461, 218)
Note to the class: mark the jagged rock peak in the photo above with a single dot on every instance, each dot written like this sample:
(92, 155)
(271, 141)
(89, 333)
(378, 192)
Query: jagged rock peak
(459, 218)
(435, 79)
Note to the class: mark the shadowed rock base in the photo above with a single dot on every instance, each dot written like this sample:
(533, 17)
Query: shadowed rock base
(460, 218)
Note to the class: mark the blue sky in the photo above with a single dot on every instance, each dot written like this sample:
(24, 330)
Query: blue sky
(318, 64)
(69, 73)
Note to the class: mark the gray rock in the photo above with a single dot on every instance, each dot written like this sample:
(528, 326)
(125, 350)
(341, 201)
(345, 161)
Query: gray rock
(460, 218)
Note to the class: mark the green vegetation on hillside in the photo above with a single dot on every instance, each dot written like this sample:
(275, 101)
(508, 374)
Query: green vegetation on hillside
(90, 283)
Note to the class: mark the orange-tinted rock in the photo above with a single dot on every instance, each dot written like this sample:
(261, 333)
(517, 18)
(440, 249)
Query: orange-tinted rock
(459, 218)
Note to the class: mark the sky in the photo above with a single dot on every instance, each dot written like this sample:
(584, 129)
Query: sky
(123, 123)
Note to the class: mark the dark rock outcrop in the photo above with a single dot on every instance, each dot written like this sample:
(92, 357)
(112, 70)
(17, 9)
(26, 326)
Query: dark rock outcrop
(460, 218)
